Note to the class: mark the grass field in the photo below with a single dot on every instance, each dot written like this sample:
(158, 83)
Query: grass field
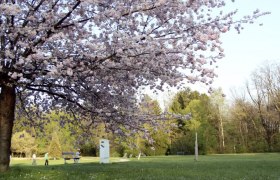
(239, 166)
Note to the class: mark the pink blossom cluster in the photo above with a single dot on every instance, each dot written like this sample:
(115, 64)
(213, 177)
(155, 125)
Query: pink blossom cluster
(90, 57)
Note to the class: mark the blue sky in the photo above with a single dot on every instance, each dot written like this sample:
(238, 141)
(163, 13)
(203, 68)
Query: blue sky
(245, 52)
(252, 48)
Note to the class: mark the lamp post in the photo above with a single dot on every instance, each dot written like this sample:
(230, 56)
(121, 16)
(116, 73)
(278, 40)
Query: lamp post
(196, 147)
(194, 125)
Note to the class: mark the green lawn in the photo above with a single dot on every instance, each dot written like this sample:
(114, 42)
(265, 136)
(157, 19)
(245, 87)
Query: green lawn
(242, 166)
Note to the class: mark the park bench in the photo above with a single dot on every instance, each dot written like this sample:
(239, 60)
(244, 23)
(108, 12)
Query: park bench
(180, 153)
(70, 155)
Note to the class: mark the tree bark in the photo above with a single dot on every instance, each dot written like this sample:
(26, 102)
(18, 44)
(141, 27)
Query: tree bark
(221, 129)
(7, 111)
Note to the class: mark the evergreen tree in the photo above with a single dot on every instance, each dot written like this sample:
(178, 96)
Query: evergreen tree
(55, 148)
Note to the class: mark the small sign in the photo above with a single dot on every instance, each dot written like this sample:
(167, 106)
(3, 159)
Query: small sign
(104, 151)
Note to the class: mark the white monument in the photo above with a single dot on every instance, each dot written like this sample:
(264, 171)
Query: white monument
(104, 151)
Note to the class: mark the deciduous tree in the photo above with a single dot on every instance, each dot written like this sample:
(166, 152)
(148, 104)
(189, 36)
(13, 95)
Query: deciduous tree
(218, 102)
(89, 57)
(55, 147)
(264, 91)
(23, 143)
(247, 134)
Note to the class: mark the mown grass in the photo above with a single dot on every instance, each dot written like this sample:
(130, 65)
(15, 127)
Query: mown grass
(239, 166)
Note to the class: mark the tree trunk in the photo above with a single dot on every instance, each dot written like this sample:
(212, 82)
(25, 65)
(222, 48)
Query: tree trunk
(222, 136)
(268, 139)
(7, 111)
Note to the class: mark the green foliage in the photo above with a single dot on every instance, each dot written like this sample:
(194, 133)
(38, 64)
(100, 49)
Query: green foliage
(90, 144)
(160, 144)
(242, 127)
(55, 148)
(66, 133)
(198, 105)
(149, 106)
(20, 124)
(160, 138)
(23, 143)
(182, 99)
(245, 130)
(89, 149)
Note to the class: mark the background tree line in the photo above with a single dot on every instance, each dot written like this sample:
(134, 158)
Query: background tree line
(250, 123)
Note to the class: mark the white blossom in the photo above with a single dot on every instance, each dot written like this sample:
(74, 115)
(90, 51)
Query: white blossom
(69, 72)
(91, 56)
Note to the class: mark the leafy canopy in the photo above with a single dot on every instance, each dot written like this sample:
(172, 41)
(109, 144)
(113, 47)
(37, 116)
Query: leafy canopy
(89, 57)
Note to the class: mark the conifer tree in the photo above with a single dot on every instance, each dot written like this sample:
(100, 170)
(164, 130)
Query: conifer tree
(55, 148)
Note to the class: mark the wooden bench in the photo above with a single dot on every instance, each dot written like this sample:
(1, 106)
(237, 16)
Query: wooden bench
(70, 155)
(180, 153)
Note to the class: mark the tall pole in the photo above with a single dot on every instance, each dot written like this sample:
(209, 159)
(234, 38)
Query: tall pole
(222, 144)
(196, 147)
